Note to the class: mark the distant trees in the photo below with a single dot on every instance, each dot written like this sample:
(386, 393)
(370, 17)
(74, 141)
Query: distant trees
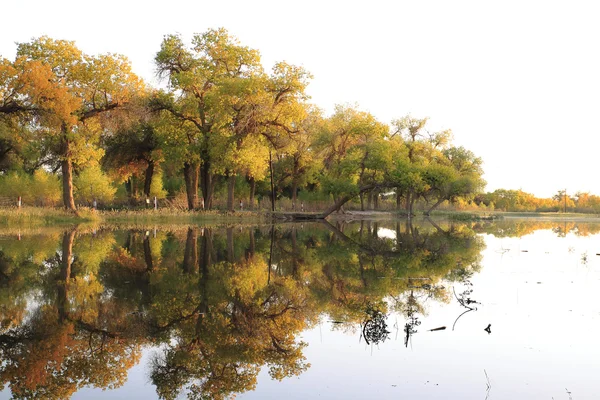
(520, 201)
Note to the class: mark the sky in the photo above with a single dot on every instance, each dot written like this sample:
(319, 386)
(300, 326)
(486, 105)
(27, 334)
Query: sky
(518, 82)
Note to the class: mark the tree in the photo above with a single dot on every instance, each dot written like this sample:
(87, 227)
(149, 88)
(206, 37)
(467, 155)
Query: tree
(133, 150)
(68, 96)
(92, 184)
(563, 200)
(196, 75)
(413, 134)
(352, 151)
(457, 175)
(299, 163)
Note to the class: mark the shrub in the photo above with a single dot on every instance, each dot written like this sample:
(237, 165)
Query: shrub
(92, 183)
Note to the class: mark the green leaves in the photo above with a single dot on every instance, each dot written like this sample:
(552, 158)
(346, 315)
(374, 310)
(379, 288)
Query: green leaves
(92, 184)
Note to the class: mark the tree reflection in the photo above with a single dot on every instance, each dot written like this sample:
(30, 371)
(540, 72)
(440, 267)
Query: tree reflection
(74, 337)
(374, 328)
(220, 304)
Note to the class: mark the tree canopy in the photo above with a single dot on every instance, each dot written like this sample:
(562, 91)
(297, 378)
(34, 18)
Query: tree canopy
(223, 124)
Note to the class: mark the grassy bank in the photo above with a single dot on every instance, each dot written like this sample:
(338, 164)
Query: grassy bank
(41, 217)
(486, 215)
(35, 216)
(32, 217)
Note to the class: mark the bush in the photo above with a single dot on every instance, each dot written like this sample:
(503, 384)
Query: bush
(92, 183)
(45, 188)
(13, 185)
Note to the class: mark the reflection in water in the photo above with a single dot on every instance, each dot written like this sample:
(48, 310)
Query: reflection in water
(76, 308)
(374, 328)
(464, 297)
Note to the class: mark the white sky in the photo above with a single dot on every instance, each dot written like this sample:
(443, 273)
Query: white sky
(517, 81)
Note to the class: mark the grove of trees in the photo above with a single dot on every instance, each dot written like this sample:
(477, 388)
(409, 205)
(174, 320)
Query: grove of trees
(520, 201)
(89, 128)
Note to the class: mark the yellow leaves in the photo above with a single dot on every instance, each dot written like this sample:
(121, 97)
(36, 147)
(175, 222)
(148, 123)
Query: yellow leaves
(109, 80)
(84, 296)
(249, 277)
(92, 184)
(124, 259)
(65, 87)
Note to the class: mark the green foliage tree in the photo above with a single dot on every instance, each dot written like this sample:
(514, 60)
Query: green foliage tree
(91, 184)
(198, 74)
(68, 96)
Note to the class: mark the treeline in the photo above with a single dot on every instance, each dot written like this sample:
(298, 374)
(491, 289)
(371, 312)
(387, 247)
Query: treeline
(518, 200)
(90, 129)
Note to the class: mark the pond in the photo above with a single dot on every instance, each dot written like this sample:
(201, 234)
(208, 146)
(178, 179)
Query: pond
(428, 309)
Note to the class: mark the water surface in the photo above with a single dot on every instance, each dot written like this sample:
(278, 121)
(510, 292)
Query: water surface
(428, 310)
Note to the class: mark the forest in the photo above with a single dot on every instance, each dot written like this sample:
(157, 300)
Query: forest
(82, 130)
(222, 133)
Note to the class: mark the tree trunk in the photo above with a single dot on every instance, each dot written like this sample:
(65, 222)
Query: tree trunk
(294, 194)
(206, 251)
(190, 255)
(65, 274)
(252, 244)
(272, 184)
(252, 190)
(398, 198)
(362, 201)
(230, 192)
(295, 255)
(190, 174)
(67, 171)
(148, 254)
(230, 250)
(205, 262)
(133, 196)
(370, 201)
(376, 200)
(437, 203)
(128, 188)
(207, 184)
(148, 178)
(67, 175)
(343, 200)
(271, 254)
(294, 184)
(408, 203)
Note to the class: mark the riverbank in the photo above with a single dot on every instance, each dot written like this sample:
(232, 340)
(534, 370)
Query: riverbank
(40, 217)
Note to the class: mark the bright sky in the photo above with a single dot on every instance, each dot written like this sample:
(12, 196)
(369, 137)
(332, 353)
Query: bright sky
(518, 82)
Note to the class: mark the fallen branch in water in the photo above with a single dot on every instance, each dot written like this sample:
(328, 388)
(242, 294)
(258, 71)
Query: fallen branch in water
(489, 385)
(441, 328)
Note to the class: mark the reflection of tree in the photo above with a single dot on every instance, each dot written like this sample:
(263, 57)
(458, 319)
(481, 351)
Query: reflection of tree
(465, 300)
(219, 303)
(74, 338)
(519, 228)
(415, 260)
(238, 324)
(411, 311)
(374, 328)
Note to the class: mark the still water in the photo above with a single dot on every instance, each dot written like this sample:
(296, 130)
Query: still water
(387, 309)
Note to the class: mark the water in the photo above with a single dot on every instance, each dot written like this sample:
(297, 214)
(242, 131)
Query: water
(428, 310)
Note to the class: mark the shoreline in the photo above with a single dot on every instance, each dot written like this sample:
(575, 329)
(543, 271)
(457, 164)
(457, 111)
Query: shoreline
(38, 216)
